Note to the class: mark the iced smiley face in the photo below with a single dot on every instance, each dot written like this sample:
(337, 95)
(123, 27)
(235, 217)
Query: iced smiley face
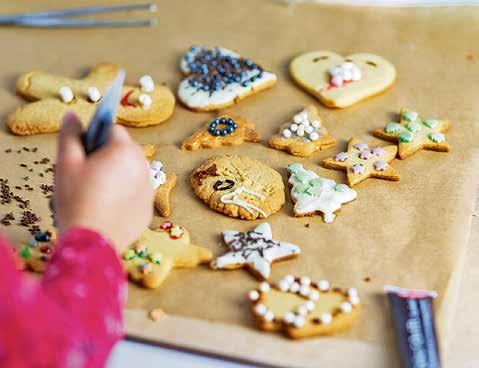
(238, 186)
(339, 81)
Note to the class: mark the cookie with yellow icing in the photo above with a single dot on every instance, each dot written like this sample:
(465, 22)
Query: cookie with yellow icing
(52, 96)
(301, 307)
(339, 81)
(150, 260)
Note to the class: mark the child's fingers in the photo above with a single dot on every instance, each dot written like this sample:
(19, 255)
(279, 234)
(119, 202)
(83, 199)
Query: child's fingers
(70, 149)
(119, 135)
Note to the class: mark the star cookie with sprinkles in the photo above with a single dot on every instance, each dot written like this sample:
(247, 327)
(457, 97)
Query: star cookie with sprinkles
(255, 250)
(225, 130)
(361, 162)
(301, 308)
(150, 260)
(414, 134)
(37, 252)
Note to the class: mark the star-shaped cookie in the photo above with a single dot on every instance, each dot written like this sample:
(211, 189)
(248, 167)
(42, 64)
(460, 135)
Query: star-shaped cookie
(311, 193)
(301, 307)
(255, 250)
(225, 130)
(158, 251)
(304, 135)
(362, 162)
(414, 134)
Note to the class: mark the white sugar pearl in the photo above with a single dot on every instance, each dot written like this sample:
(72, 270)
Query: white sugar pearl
(260, 309)
(287, 133)
(313, 295)
(309, 129)
(156, 165)
(147, 84)
(314, 136)
(66, 94)
(354, 300)
(304, 114)
(145, 101)
(346, 307)
(289, 318)
(94, 94)
(323, 285)
(348, 65)
(304, 290)
(336, 71)
(294, 288)
(264, 287)
(305, 280)
(300, 132)
(269, 316)
(253, 295)
(293, 127)
(283, 285)
(337, 80)
(310, 306)
(289, 279)
(352, 292)
(356, 74)
(347, 75)
(316, 124)
(160, 177)
(299, 321)
(302, 310)
(326, 318)
(298, 119)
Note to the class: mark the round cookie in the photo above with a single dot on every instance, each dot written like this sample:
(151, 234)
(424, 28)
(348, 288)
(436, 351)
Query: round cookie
(238, 186)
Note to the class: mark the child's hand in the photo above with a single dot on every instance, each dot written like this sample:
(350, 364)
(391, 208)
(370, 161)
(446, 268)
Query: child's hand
(109, 191)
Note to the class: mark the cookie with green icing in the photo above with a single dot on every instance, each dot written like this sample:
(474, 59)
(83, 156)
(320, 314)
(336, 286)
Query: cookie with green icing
(414, 134)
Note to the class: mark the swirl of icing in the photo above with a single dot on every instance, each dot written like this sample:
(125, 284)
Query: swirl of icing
(436, 137)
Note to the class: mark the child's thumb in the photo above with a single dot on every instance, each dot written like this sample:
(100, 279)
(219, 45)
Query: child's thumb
(70, 150)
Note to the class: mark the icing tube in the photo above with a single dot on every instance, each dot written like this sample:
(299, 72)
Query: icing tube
(415, 327)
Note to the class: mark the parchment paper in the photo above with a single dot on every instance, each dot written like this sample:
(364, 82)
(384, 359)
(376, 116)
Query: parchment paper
(412, 233)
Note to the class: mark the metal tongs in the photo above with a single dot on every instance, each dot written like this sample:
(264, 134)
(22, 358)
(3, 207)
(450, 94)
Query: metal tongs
(60, 18)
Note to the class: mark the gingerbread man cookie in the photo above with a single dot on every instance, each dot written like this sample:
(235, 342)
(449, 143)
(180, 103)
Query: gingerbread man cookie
(414, 134)
(302, 308)
(362, 162)
(238, 186)
(225, 130)
(311, 193)
(304, 135)
(339, 81)
(152, 257)
(218, 77)
(37, 252)
(141, 106)
(255, 250)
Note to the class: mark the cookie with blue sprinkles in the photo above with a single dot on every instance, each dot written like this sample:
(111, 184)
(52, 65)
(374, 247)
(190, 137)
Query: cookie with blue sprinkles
(217, 78)
(224, 130)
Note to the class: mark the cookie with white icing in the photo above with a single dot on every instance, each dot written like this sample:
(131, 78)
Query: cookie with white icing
(238, 186)
(413, 134)
(303, 135)
(255, 250)
(52, 95)
(311, 193)
(163, 183)
(301, 307)
(217, 78)
(225, 130)
(339, 81)
(362, 161)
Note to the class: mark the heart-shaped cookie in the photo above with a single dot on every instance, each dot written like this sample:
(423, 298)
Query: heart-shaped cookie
(304, 308)
(339, 81)
(218, 78)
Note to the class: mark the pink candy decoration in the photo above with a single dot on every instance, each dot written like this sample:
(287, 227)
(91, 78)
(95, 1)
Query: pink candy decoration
(377, 151)
(365, 155)
(381, 165)
(337, 81)
(357, 169)
(361, 146)
(341, 156)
